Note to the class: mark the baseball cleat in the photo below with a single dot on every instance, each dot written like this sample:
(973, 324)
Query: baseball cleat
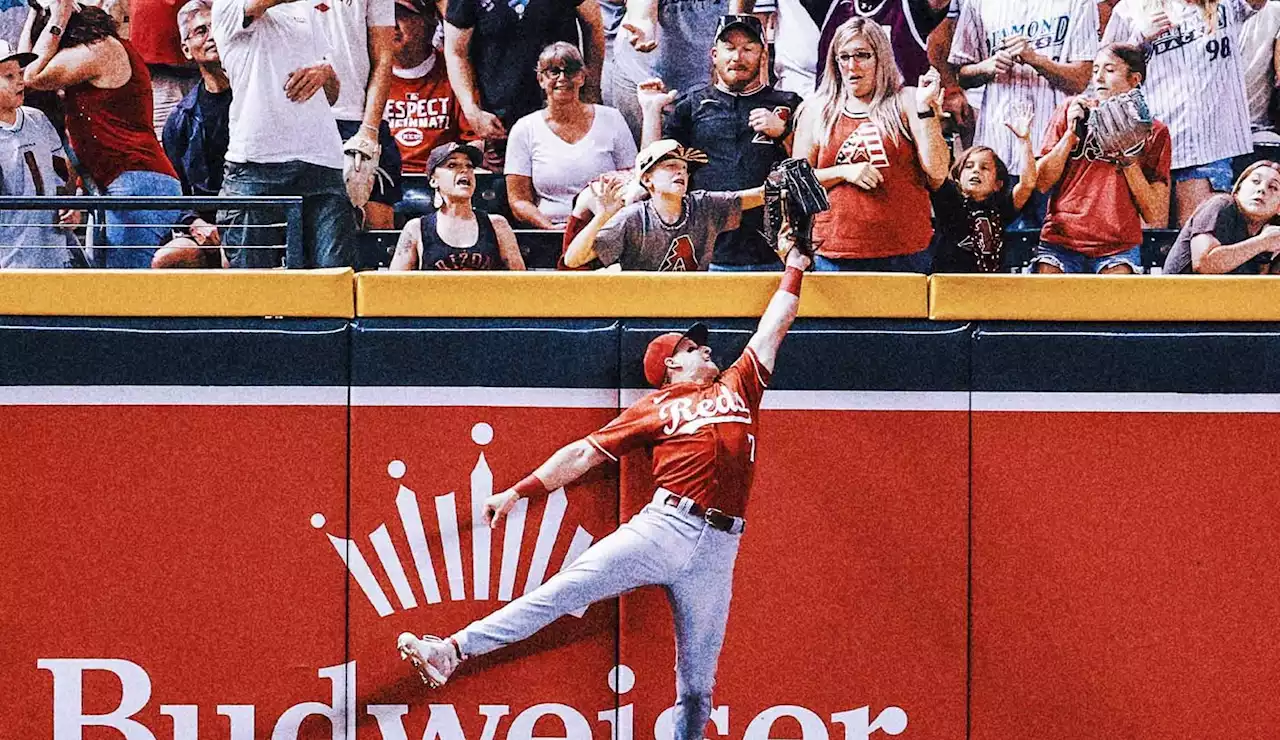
(434, 658)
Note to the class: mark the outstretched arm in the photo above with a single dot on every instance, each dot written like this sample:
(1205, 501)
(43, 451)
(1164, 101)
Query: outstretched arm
(782, 308)
(568, 464)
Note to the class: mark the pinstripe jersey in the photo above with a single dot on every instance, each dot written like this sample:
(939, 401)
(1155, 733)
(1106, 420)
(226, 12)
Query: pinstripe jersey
(1195, 79)
(1063, 30)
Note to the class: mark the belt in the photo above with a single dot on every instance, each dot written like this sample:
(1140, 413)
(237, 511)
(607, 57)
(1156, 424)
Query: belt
(714, 518)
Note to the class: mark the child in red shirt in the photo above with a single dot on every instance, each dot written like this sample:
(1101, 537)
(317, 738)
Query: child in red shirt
(1094, 222)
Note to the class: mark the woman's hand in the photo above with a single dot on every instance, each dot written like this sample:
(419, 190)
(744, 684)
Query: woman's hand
(929, 92)
(863, 175)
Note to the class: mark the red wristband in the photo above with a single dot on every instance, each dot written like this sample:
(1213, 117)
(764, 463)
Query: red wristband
(791, 281)
(532, 485)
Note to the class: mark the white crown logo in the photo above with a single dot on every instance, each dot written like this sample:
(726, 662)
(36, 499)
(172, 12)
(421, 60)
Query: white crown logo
(450, 544)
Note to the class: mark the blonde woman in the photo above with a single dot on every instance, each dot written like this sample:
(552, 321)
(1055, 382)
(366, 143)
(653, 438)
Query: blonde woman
(878, 147)
(1194, 85)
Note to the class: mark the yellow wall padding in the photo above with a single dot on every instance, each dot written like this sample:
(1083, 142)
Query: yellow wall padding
(1104, 298)
(233, 293)
(632, 294)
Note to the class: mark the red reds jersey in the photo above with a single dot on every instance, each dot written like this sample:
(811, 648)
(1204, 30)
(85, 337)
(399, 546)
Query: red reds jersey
(703, 437)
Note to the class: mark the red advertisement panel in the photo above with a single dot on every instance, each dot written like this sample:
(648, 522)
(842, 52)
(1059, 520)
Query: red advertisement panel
(848, 608)
(161, 578)
(1122, 576)
(418, 476)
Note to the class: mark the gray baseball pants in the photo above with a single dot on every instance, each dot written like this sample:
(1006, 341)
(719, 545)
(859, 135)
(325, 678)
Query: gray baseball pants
(662, 545)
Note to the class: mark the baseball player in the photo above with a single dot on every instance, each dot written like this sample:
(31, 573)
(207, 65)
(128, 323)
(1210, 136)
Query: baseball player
(701, 428)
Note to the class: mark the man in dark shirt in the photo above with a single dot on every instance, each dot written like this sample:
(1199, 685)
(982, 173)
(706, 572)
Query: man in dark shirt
(743, 125)
(196, 136)
(491, 48)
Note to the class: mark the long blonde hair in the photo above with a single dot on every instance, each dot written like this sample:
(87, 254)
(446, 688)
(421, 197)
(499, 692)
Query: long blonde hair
(1209, 9)
(885, 110)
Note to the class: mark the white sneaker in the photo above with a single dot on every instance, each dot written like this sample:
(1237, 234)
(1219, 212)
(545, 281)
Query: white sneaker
(434, 658)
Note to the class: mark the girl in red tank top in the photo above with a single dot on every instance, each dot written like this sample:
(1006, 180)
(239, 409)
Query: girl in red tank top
(878, 147)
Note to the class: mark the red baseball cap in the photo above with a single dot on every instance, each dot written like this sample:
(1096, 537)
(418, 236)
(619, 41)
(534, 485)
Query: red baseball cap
(663, 346)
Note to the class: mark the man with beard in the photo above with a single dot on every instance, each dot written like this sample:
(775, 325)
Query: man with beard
(743, 125)
(195, 139)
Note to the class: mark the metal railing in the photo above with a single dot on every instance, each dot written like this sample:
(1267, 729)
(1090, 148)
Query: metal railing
(291, 205)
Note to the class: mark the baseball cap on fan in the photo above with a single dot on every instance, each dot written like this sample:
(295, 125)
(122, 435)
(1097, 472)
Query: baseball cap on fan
(7, 54)
(748, 23)
(442, 152)
(663, 346)
(417, 7)
(667, 149)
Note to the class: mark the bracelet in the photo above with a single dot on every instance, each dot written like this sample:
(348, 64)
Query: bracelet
(532, 485)
(927, 114)
(791, 281)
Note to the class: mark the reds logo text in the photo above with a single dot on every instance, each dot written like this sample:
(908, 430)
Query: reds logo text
(683, 416)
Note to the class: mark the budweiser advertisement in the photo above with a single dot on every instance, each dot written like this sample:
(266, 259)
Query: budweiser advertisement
(229, 550)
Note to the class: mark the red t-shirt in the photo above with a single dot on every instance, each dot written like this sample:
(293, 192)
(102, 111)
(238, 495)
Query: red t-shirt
(154, 31)
(891, 220)
(703, 437)
(423, 112)
(1093, 211)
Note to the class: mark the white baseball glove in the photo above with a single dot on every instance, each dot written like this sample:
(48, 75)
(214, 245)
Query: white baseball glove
(360, 168)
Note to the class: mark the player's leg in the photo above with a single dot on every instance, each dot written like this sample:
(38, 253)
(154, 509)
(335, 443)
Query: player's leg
(638, 554)
(700, 607)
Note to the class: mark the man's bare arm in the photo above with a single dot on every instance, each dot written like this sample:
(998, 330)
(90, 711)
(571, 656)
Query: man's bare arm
(781, 312)
(568, 464)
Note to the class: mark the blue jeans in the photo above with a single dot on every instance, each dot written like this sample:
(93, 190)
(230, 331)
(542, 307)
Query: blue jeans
(766, 267)
(1073, 262)
(253, 238)
(1218, 173)
(136, 233)
(920, 262)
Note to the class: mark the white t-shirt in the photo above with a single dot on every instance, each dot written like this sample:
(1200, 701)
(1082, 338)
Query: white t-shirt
(561, 170)
(1257, 45)
(795, 47)
(347, 24)
(27, 149)
(265, 125)
(1063, 30)
(1195, 79)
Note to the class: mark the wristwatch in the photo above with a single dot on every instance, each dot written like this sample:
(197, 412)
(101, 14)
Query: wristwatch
(927, 114)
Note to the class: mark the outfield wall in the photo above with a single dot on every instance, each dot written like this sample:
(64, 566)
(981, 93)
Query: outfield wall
(964, 523)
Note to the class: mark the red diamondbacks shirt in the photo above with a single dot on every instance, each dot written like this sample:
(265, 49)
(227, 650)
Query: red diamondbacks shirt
(703, 437)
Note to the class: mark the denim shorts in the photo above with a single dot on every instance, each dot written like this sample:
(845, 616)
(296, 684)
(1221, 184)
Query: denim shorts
(1073, 262)
(921, 262)
(1219, 174)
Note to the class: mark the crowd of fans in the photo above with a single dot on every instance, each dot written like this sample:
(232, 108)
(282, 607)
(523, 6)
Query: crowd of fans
(642, 130)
